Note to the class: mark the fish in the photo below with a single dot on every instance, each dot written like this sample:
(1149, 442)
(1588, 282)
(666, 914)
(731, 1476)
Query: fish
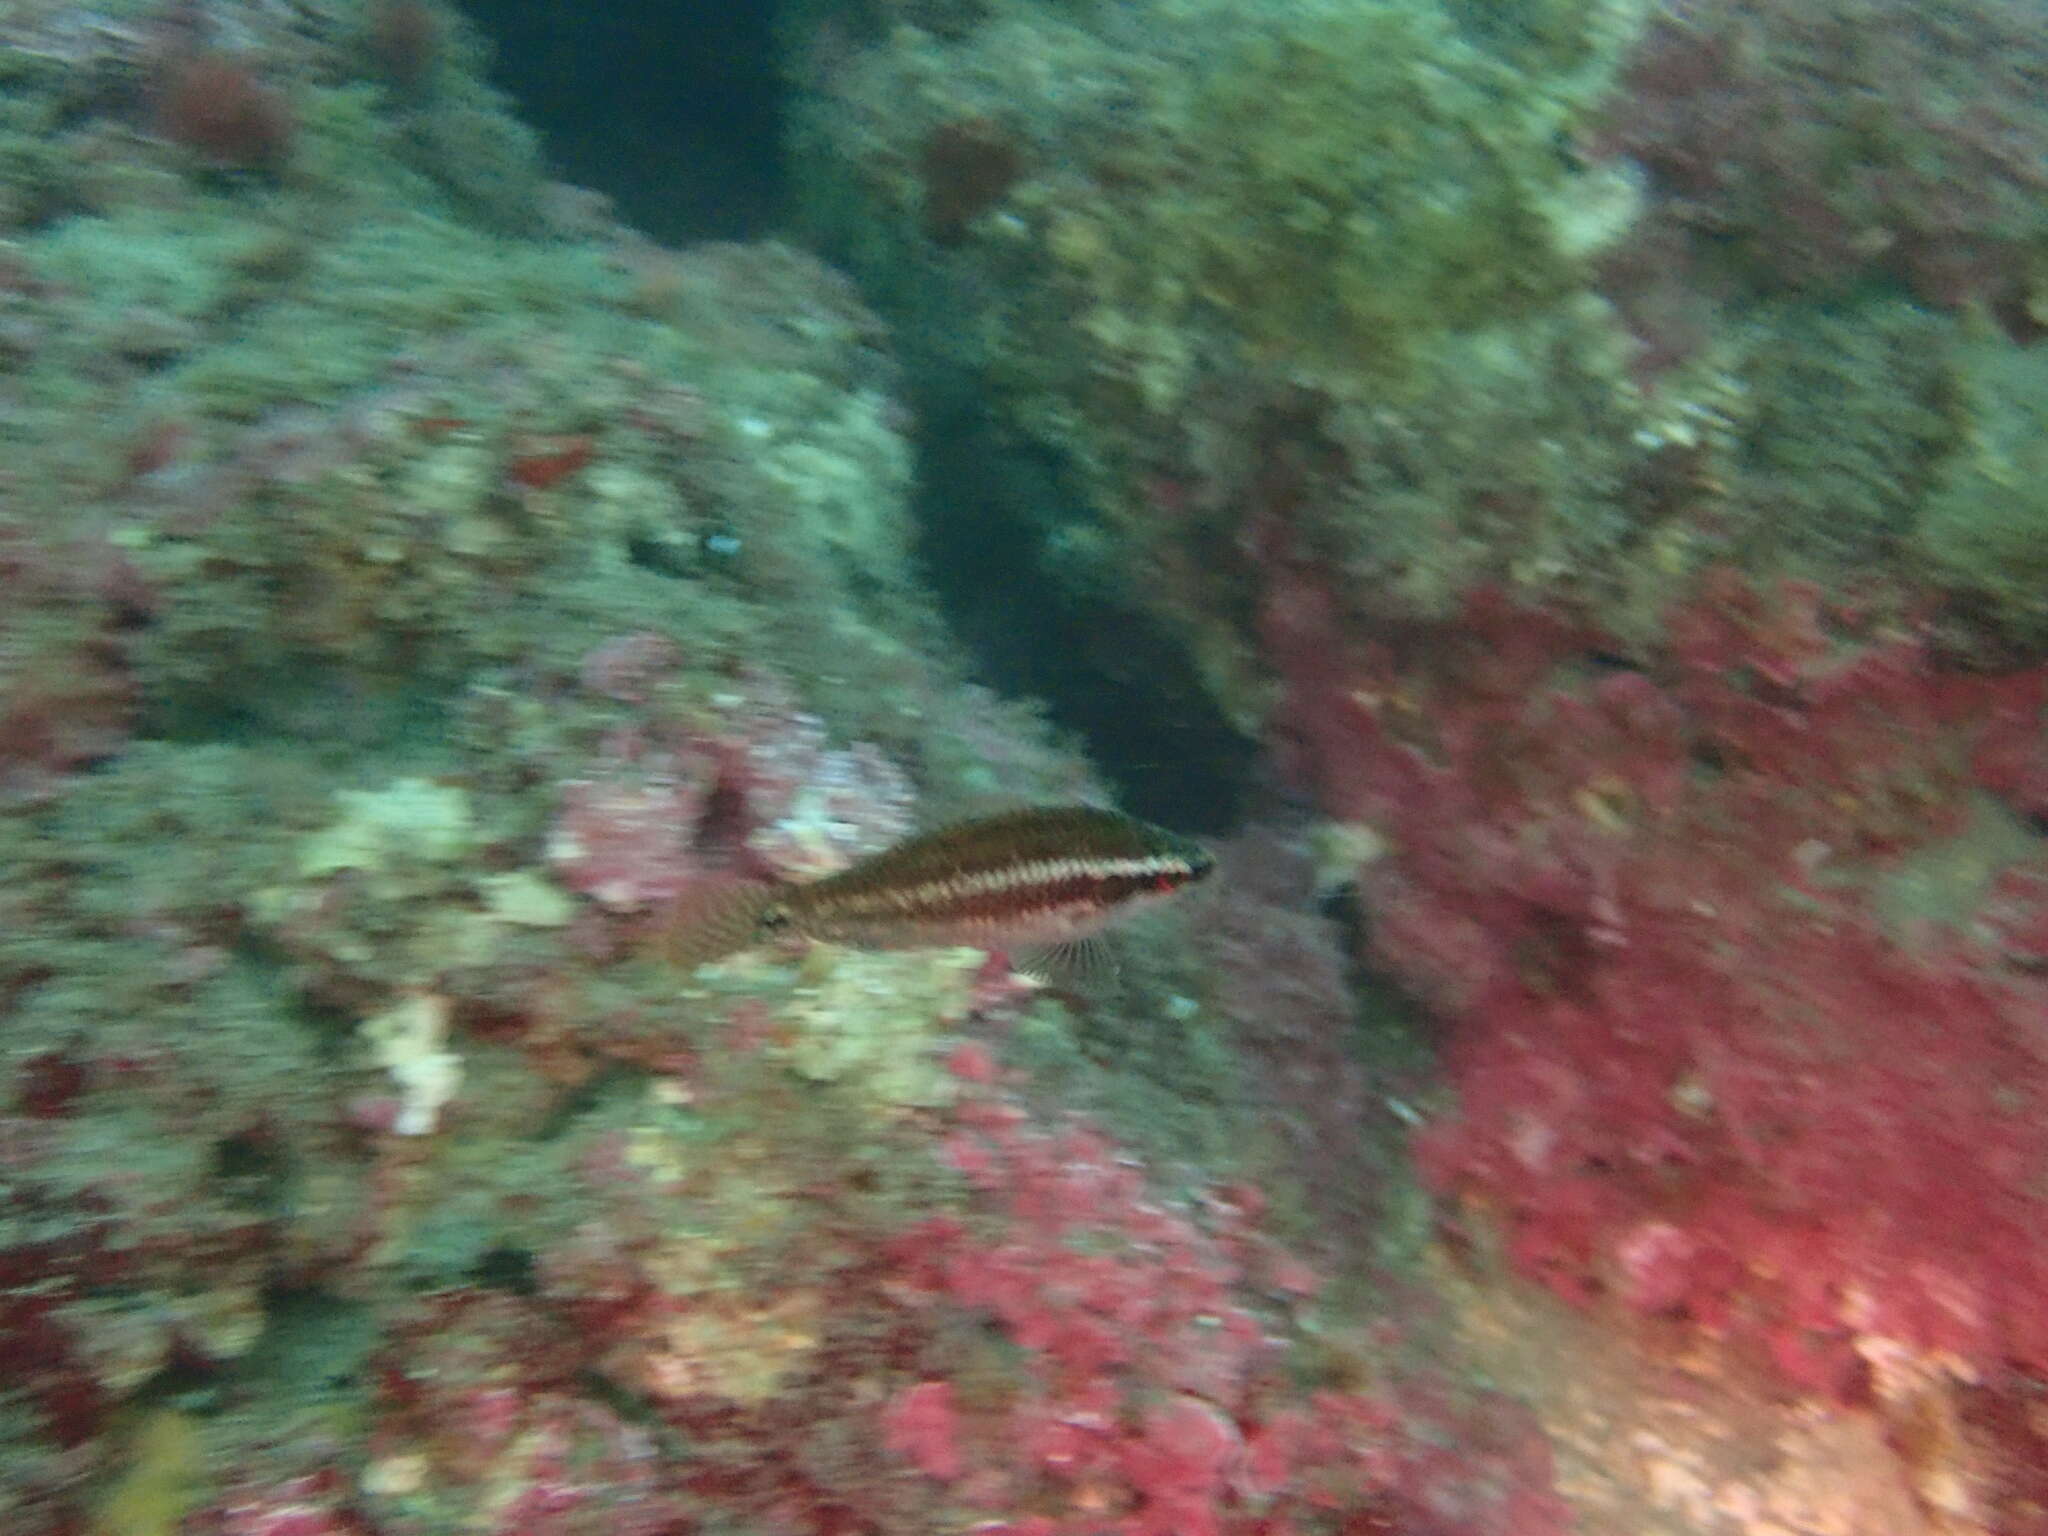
(1038, 884)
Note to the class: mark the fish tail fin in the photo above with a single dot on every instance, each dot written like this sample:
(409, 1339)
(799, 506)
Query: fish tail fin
(713, 920)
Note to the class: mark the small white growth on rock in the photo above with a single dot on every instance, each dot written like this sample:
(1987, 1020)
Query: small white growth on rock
(410, 1041)
(1340, 849)
(525, 900)
(411, 819)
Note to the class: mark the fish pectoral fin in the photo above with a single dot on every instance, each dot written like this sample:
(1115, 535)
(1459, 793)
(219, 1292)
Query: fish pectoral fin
(1069, 960)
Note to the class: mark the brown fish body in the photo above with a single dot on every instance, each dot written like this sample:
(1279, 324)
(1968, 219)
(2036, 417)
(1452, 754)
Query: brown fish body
(1024, 878)
(1028, 879)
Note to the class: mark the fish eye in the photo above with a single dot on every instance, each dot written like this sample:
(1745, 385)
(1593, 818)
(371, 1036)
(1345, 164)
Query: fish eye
(774, 919)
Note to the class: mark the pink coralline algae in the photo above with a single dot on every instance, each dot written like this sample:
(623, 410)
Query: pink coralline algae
(625, 835)
(1148, 1393)
(307, 1504)
(627, 667)
(1744, 1017)
(747, 788)
(1820, 139)
(483, 1421)
(1053, 1348)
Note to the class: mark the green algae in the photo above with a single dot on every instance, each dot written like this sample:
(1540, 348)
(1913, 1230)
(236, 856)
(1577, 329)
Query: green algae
(1332, 186)
(1356, 233)
(868, 1021)
(1366, 179)
(161, 1478)
(1507, 462)
(1848, 411)
(1984, 525)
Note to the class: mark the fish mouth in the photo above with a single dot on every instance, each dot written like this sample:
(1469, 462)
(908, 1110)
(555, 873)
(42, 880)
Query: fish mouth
(1200, 862)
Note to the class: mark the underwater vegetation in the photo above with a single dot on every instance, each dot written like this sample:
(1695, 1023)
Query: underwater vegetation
(1642, 582)
(1591, 450)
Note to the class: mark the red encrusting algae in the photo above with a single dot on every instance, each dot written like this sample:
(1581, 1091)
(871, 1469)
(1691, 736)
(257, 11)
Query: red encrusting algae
(1151, 1390)
(217, 107)
(1734, 953)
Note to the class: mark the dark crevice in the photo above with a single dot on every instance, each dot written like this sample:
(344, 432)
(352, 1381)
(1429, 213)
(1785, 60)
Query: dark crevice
(507, 1269)
(993, 518)
(675, 110)
(672, 108)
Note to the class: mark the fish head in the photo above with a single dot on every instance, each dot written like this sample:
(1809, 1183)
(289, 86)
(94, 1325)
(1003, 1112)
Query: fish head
(1200, 864)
